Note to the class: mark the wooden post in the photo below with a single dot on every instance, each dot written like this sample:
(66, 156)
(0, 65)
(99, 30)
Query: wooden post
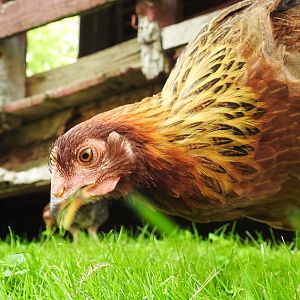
(12, 68)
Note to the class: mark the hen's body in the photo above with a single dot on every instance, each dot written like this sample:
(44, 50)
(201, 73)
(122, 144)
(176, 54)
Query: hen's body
(221, 141)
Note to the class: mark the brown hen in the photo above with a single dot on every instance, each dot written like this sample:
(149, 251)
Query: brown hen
(220, 142)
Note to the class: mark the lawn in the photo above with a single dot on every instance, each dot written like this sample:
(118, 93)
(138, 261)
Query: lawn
(123, 266)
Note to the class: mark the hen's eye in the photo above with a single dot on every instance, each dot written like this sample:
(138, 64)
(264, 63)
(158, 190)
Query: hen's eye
(86, 155)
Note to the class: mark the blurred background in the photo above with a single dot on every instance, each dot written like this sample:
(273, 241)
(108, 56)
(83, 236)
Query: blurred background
(65, 61)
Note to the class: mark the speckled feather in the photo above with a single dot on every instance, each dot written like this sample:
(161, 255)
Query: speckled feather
(221, 141)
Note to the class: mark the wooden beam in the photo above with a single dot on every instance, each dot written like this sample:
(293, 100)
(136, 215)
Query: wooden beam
(177, 35)
(17, 183)
(92, 77)
(19, 15)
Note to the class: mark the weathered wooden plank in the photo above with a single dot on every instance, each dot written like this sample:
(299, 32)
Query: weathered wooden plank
(114, 59)
(101, 87)
(15, 183)
(91, 77)
(12, 69)
(29, 176)
(17, 16)
(180, 34)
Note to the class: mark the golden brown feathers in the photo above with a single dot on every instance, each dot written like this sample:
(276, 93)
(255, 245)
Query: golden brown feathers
(221, 140)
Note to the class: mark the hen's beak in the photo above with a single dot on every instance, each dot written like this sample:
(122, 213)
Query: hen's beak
(65, 204)
(56, 199)
(64, 210)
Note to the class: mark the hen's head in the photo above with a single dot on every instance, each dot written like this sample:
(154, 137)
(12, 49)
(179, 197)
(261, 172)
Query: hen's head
(89, 162)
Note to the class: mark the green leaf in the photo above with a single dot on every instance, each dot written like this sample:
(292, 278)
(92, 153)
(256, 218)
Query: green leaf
(155, 218)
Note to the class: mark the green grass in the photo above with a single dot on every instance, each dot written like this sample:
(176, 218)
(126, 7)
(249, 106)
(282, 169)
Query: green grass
(179, 266)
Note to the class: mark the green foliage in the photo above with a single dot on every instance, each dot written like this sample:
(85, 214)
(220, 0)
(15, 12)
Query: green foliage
(52, 46)
(158, 220)
(181, 266)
